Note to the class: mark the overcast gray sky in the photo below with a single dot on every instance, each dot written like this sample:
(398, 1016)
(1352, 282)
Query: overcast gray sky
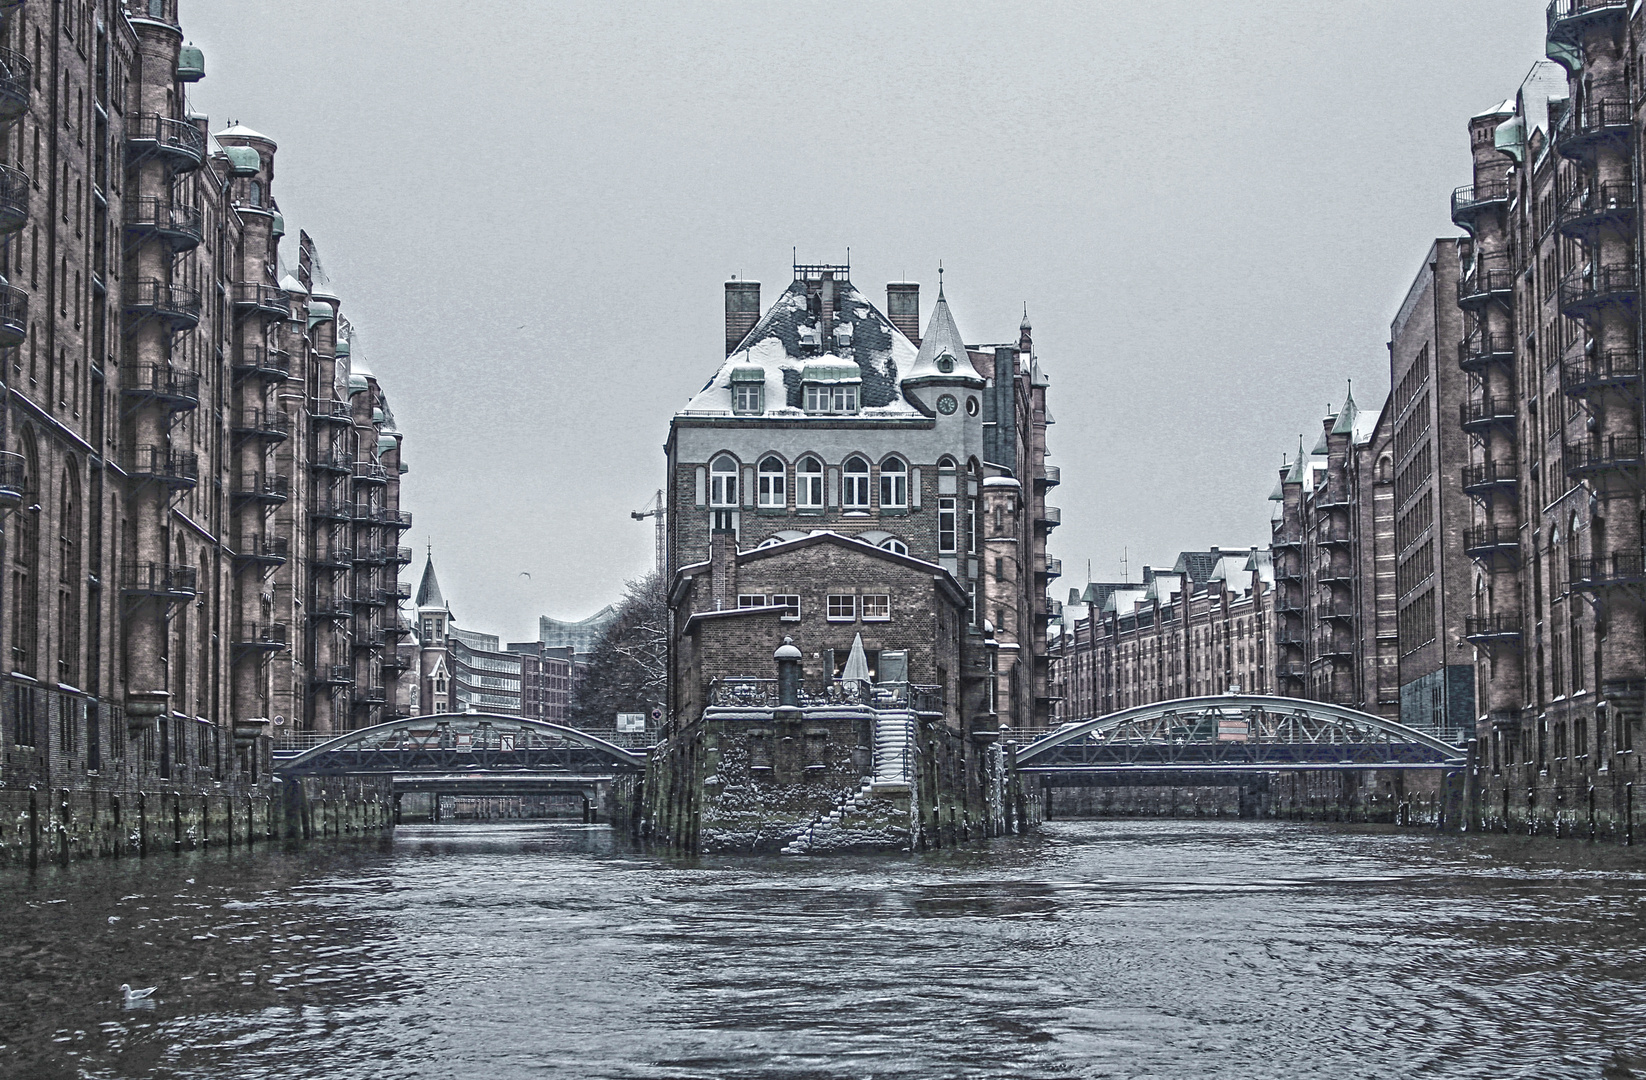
(1211, 209)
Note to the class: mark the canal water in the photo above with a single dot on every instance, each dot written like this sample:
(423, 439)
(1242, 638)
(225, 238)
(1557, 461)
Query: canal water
(1102, 948)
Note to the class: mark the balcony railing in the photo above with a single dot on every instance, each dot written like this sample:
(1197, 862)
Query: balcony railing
(1597, 119)
(14, 199)
(370, 472)
(332, 510)
(175, 305)
(1332, 532)
(1487, 629)
(1292, 670)
(331, 412)
(261, 637)
(1588, 207)
(14, 479)
(264, 362)
(263, 488)
(164, 466)
(332, 608)
(1488, 279)
(1612, 454)
(177, 390)
(1480, 349)
(1050, 568)
(1488, 477)
(402, 590)
(1050, 516)
(400, 658)
(367, 697)
(402, 555)
(1612, 370)
(1567, 18)
(1620, 569)
(158, 579)
(180, 144)
(1582, 293)
(269, 424)
(1286, 538)
(334, 558)
(367, 640)
(16, 79)
(1050, 476)
(1334, 609)
(330, 459)
(1489, 541)
(334, 675)
(14, 316)
(253, 296)
(181, 228)
(1478, 416)
(371, 554)
(266, 551)
(1472, 199)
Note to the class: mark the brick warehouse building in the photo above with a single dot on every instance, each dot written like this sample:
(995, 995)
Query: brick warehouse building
(851, 484)
(203, 487)
(1550, 289)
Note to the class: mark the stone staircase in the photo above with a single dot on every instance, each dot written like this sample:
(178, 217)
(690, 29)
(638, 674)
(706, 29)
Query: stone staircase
(821, 828)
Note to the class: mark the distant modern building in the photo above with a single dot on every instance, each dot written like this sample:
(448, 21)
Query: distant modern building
(465, 671)
(579, 636)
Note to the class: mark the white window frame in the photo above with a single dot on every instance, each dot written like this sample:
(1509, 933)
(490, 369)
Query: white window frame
(827, 399)
(789, 601)
(749, 397)
(836, 611)
(723, 482)
(854, 485)
(773, 485)
(948, 534)
(876, 607)
(750, 600)
(894, 545)
(808, 486)
(894, 484)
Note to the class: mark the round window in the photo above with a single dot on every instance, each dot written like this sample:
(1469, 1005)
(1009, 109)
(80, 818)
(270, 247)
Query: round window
(946, 404)
(971, 406)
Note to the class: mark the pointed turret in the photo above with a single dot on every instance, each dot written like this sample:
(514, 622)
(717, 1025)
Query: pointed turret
(943, 353)
(428, 591)
(1346, 416)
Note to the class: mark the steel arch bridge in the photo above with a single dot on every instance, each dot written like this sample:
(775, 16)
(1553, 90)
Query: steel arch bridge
(477, 745)
(1235, 732)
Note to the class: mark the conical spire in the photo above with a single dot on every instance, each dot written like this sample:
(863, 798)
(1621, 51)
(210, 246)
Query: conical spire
(1296, 475)
(1346, 416)
(428, 591)
(942, 338)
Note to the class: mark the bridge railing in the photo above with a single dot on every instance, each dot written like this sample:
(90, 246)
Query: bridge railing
(738, 692)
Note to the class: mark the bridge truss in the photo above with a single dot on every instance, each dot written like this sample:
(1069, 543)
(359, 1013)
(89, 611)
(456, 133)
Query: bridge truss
(1236, 732)
(449, 745)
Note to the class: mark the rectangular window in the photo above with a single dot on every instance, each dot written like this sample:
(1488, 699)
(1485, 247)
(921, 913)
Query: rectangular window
(748, 600)
(877, 607)
(946, 535)
(808, 484)
(974, 535)
(789, 602)
(842, 607)
(855, 492)
(830, 399)
(894, 485)
(748, 397)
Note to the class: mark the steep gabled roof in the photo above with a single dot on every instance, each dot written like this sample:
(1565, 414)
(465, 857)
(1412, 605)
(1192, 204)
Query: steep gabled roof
(428, 591)
(942, 338)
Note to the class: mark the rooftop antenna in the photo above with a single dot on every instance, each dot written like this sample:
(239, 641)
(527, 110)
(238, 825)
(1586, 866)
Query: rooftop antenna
(1125, 565)
(940, 279)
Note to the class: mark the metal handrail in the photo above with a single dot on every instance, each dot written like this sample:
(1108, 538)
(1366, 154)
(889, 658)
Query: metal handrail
(267, 547)
(1618, 567)
(265, 486)
(151, 212)
(16, 82)
(160, 461)
(255, 294)
(1480, 348)
(15, 193)
(159, 579)
(1582, 286)
(1612, 452)
(263, 422)
(255, 635)
(158, 380)
(158, 296)
(177, 136)
(1491, 626)
(1484, 411)
(1609, 368)
(1488, 473)
(1473, 196)
(1586, 201)
(1489, 537)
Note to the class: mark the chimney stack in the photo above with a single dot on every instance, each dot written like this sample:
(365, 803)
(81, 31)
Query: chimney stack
(742, 311)
(903, 307)
(825, 320)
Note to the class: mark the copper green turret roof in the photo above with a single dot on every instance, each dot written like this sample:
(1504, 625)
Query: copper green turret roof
(1296, 475)
(1346, 416)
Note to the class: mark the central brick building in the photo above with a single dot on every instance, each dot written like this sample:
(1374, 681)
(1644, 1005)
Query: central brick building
(875, 496)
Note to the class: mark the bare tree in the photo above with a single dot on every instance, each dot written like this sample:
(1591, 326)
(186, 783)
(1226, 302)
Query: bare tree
(628, 667)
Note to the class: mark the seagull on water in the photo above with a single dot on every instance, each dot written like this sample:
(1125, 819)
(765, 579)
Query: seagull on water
(131, 995)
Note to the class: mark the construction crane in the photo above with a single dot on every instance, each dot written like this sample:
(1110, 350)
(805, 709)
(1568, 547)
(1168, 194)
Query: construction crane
(655, 512)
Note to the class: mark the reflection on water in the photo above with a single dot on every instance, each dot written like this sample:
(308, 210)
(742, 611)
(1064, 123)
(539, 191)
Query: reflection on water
(1132, 948)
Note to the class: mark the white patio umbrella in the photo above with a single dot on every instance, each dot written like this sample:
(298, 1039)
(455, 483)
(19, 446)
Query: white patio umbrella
(857, 664)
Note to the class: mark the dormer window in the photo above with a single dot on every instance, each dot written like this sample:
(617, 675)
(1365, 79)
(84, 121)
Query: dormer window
(748, 390)
(945, 364)
(831, 386)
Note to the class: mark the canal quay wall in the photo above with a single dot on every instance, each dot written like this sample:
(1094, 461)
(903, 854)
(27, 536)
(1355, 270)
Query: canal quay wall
(822, 780)
(1577, 796)
(127, 811)
(1428, 797)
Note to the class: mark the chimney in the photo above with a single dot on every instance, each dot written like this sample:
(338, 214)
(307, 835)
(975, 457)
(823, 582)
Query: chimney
(742, 311)
(825, 321)
(903, 307)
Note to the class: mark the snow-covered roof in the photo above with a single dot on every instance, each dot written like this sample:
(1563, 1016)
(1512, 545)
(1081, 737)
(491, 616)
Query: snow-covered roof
(871, 344)
(293, 286)
(241, 131)
(942, 347)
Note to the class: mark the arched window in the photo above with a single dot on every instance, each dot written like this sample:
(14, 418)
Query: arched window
(946, 463)
(808, 483)
(854, 493)
(256, 189)
(773, 492)
(723, 481)
(894, 484)
(895, 545)
(69, 577)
